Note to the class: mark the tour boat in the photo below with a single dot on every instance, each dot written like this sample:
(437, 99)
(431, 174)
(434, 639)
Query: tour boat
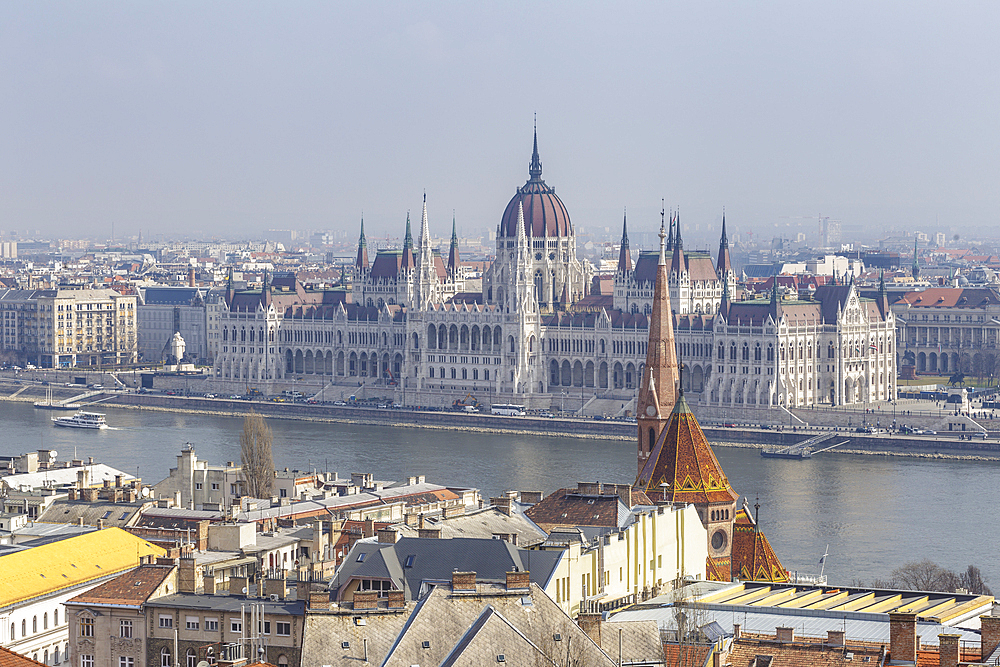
(82, 420)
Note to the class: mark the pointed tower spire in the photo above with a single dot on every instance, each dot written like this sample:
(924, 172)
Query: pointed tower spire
(774, 292)
(724, 265)
(652, 407)
(535, 168)
(677, 264)
(625, 255)
(407, 262)
(670, 236)
(453, 249)
(521, 235)
(361, 262)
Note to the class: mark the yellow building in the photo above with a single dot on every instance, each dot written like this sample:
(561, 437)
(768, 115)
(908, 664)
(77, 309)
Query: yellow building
(69, 327)
(36, 582)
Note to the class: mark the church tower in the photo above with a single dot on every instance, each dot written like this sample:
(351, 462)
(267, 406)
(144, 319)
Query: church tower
(658, 389)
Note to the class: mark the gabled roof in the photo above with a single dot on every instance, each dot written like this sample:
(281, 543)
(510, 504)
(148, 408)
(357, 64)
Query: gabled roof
(753, 559)
(684, 462)
(569, 507)
(132, 588)
(950, 297)
(433, 560)
(832, 299)
(456, 624)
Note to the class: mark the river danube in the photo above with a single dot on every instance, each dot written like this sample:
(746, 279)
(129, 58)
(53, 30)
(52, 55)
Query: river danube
(875, 512)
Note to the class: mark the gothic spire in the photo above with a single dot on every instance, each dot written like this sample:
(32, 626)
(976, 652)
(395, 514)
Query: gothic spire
(658, 391)
(453, 249)
(362, 260)
(625, 255)
(535, 168)
(724, 265)
(677, 264)
(407, 261)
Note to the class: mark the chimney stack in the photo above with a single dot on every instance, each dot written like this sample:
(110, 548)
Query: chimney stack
(948, 650)
(463, 581)
(903, 638)
(990, 633)
(785, 634)
(591, 624)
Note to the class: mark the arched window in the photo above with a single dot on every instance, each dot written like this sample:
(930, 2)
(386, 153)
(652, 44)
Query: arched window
(24, 627)
(756, 352)
(190, 658)
(55, 655)
(282, 660)
(55, 617)
(746, 352)
(432, 371)
(722, 352)
(45, 621)
(165, 660)
(732, 351)
(34, 624)
(770, 352)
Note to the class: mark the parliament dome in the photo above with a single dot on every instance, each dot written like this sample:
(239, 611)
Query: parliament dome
(544, 212)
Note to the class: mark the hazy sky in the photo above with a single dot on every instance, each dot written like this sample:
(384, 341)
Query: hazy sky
(234, 117)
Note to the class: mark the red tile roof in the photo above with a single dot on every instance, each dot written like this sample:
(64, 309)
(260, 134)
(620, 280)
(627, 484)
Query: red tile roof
(131, 588)
(753, 559)
(684, 461)
(10, 659)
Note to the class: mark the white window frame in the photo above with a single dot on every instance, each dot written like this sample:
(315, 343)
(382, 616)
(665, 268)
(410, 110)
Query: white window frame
(125, 629)
(192, 623)
(166, 621)
(212, 624)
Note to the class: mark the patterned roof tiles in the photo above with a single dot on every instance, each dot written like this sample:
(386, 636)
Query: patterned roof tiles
(753, 559)
(682, 467)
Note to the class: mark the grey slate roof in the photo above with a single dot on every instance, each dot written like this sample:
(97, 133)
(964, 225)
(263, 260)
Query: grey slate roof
(489, 622)
(435, 559)
(324, 635)
(483, 523)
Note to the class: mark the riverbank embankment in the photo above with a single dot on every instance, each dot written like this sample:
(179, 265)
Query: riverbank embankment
(739, 435)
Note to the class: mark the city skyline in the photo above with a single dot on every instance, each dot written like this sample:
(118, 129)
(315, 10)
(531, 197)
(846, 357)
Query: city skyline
(234, 119)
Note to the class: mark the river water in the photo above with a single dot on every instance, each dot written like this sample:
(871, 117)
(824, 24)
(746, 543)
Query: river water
(875, 512)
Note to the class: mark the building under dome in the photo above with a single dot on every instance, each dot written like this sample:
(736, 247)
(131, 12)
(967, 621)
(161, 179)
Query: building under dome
(538, 335)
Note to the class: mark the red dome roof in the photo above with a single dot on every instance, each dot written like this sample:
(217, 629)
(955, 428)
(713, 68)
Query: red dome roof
(544, 212)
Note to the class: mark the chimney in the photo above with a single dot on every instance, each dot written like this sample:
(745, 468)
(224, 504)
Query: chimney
(990, 631)
(903, 638)
(320, 600)
(589, 488)
(100, 524)
(275, 586)
(237, 584)
(118, 481)
(187, 576)
(591, 624)
(784, 634)
(518, 581)
(365, 600)
(412, 520)
(736, 631)
(191, 277)
(503, 504)
(463, 581)
(397, 600)
(531, 497)
(209, 584)
(948, 650)
(452, 511)
(387, 535)
(836, 638)
(430, 532)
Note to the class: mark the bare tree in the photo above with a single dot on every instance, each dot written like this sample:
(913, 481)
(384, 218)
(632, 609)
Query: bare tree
(929, 576)
(256, 456)
(924, 575)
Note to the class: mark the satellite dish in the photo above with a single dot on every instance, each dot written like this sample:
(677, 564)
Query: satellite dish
(244, 590)
(145, 492)
(53, 453)
(203, 663)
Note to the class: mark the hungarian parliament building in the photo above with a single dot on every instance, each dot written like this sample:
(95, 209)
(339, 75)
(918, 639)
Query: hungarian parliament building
(539, 334)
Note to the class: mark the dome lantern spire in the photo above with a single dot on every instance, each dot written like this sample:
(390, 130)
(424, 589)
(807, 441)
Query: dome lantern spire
(535, 169)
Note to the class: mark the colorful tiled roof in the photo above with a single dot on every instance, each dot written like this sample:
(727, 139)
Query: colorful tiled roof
(682, 467)
(60, 565)
(753, 559)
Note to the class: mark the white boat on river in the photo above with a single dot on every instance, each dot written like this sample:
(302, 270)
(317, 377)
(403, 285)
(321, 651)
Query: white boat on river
(94, 420)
